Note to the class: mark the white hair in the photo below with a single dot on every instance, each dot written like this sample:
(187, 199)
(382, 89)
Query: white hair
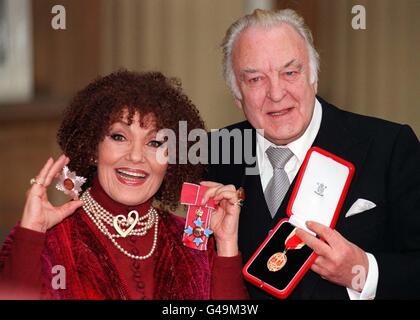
(266, 18)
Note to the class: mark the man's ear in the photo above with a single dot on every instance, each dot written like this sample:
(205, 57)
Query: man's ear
(238, 103)
(315, 86)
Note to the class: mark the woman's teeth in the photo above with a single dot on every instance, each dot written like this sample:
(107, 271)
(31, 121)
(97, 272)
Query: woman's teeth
(131, 175)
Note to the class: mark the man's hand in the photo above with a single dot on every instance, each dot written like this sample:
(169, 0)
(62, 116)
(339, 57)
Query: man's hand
(337, 257)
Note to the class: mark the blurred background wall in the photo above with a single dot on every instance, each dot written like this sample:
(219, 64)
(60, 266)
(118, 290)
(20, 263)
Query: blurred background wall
(373, 71)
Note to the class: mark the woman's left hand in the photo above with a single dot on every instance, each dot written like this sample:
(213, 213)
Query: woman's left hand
(225, 219)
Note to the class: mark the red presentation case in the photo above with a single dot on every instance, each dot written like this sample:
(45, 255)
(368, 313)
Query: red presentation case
(318, 195)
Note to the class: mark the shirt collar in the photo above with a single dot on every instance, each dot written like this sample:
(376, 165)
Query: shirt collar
(300, 146)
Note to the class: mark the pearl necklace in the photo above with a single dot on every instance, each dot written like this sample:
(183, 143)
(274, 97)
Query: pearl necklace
(100, 217)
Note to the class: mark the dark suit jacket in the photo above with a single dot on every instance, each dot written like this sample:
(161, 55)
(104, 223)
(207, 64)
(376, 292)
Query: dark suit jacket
(387, 161)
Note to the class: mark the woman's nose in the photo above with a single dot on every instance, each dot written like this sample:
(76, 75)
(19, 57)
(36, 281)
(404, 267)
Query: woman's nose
(136, 152)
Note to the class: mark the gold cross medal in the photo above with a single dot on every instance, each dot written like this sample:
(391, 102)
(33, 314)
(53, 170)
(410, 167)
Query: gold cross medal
(278, 260)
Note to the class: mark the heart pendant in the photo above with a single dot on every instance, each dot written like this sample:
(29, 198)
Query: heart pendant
(132, 221)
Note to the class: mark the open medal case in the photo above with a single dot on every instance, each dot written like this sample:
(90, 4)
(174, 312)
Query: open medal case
(318, 195)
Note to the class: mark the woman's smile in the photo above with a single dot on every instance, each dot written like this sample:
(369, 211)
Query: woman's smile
(131, 177)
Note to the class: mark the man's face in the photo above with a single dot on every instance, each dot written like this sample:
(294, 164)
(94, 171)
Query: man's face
(271, 67)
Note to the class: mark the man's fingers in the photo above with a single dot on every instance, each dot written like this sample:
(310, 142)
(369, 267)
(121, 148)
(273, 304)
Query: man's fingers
(319, 270)
(320, 261)
(324, 232)
(319, 246)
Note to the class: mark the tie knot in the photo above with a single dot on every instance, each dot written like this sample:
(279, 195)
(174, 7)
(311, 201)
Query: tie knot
(278, 156)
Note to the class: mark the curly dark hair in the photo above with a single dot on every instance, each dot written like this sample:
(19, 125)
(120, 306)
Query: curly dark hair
(95, 108)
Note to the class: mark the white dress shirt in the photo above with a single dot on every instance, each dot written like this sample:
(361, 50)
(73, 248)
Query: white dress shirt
(299, 148)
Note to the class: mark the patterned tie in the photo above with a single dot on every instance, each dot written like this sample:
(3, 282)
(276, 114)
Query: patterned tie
(279, 183)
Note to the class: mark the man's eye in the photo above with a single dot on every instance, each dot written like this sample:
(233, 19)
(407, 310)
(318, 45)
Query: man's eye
(155, 143)
(291, 74)
(255, 79)
(117, 137)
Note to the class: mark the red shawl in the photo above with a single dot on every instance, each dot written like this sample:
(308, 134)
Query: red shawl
(181, 273)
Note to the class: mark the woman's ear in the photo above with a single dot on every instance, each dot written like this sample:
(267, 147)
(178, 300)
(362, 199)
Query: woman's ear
(93, 161)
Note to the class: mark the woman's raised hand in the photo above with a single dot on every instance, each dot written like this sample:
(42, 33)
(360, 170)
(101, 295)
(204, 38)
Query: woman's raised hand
(225, 220)
(39, 214)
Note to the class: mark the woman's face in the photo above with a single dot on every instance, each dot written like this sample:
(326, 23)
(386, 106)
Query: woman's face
(128, 167)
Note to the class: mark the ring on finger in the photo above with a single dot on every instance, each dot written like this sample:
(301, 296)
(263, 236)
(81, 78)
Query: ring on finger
(241, 197)
(239, 203)
(34, 181)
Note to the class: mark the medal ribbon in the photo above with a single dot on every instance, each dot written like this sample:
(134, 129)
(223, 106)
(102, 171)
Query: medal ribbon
(293, 242)
(197, 222)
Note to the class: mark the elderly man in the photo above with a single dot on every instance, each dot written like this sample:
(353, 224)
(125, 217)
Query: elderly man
(271, 65)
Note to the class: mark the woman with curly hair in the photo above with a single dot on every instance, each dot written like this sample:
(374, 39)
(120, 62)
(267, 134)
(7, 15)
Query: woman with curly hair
(109, 135)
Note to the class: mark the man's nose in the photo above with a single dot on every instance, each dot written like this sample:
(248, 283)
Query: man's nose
(276, 90)
(137, 152)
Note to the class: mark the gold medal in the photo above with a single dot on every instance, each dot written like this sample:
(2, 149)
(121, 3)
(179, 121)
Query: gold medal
(278, 260)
